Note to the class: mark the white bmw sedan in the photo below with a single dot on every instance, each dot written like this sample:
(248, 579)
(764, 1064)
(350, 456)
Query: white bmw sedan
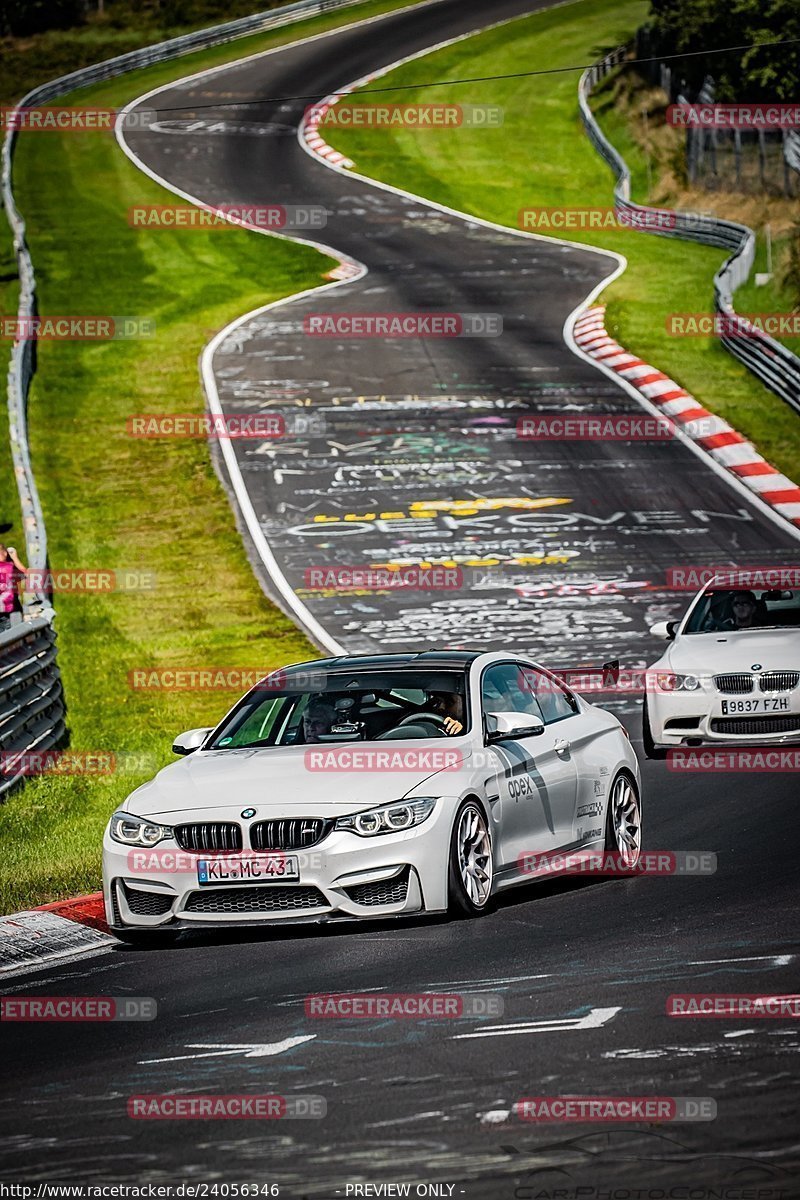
(731, 674)
(371, 786)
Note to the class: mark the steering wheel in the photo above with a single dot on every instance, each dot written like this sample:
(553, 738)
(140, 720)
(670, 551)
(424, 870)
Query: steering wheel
(422, 718)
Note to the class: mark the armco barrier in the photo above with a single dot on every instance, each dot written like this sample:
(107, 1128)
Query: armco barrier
(31, 700)
(768, 359)
(791, 148)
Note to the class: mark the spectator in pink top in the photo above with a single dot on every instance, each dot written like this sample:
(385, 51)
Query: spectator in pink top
(11, 573)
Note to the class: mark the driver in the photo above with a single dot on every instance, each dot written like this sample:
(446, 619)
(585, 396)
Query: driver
(317, 721)
(744, 606)
(448, 705)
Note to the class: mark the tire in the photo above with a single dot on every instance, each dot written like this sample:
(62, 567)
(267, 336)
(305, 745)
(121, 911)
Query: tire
(624, 812)
(651, 750)
(470, 834)
(146, 939)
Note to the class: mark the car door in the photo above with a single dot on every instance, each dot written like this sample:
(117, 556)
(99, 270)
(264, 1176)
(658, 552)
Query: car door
(535, 778)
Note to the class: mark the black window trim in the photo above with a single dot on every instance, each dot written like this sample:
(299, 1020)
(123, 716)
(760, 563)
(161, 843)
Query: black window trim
(518, 662)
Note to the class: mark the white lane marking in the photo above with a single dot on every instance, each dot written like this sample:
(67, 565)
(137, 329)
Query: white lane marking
(593, 1020)
(422, 1116)
(777, 960)
(247, 1049)
(480, 982)
(495, 1116)
(664, 1052)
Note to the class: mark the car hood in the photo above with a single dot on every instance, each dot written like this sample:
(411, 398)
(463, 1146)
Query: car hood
(277, 781)
(714, 653)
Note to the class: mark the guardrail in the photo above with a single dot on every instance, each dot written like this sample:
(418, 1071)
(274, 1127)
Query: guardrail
(31, 699)
(32, 712)
(767, 359)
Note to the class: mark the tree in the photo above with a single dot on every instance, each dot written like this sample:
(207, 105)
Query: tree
(761, 73)
(23, 17)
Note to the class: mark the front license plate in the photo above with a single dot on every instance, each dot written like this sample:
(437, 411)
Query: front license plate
(256, 868)
(765, 704)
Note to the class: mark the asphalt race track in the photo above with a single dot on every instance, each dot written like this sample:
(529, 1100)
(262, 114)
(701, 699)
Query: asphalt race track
(426, 429)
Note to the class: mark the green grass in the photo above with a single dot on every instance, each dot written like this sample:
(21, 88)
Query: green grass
(114, 502)
(540, 156)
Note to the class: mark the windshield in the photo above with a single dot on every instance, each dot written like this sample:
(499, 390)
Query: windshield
(359, 706)
(728, 610)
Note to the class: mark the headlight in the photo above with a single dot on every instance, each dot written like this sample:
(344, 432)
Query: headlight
(135, 831)
(667, 682)
(393, 818)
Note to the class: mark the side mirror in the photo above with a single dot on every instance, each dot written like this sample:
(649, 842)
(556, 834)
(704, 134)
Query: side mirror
(508, 726)
(665, 630)
(191, 740)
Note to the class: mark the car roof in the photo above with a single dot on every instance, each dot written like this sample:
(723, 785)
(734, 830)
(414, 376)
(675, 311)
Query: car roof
(442, 659)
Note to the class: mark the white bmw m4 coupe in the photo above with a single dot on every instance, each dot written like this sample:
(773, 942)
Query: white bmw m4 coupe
(731, 674)
(371, 786)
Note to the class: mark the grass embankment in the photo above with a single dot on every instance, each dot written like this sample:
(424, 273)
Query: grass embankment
(540, 156)
(115, 502)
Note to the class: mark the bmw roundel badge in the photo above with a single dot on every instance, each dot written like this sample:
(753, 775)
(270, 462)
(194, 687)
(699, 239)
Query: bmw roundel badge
(248, 812)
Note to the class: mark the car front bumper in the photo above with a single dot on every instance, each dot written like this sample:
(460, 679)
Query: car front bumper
(344, 876)
(695, 718)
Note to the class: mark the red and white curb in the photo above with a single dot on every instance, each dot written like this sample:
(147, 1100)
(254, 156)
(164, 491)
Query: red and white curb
(345, 270)
(716, 437)
(40, 936)
(310, 131)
